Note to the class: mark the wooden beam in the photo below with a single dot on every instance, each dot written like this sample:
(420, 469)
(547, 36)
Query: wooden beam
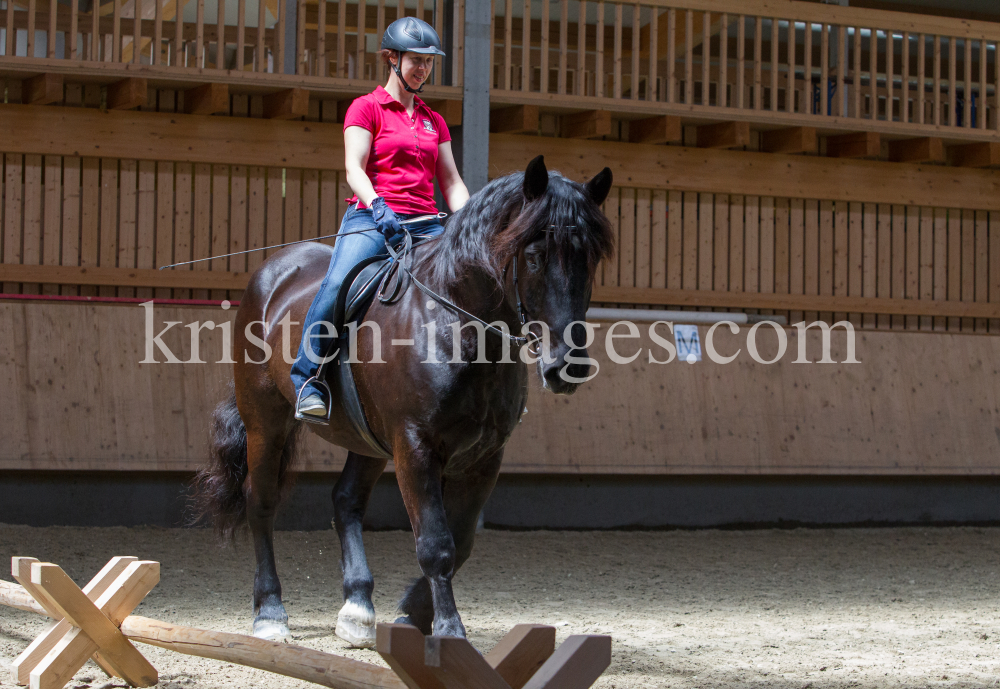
(517, 119)
(284, 105)
(724, 135)
(794, 302)
(125, 277)
(791, 140)
(450, 110)
(519, 654)
(206, 99)
(975, 155)
(665, 129)
(855, 145)
(402, 647)
(578, 662)
(925, 149)
(591, 124)
(172, 137)
(42, 90)
(128, 94)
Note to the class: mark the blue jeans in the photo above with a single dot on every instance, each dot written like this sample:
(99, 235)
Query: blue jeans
(348, 251)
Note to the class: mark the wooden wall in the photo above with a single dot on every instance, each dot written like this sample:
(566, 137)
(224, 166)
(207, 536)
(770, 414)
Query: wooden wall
(919, 403)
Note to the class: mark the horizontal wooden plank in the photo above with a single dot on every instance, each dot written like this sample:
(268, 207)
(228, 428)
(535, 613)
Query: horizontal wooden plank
(794, 302)
(651, 296)
(757, 174)
(172, 137)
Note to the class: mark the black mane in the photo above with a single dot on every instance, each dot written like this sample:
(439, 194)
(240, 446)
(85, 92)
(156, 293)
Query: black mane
(497, 223)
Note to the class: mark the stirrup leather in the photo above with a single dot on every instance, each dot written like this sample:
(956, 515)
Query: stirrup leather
(310, 418)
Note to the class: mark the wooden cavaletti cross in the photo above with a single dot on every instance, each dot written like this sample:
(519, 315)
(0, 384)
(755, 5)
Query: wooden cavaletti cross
(86, 622)
(96, 622)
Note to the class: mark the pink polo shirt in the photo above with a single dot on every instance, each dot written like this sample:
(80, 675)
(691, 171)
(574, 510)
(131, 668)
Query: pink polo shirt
(404, 151)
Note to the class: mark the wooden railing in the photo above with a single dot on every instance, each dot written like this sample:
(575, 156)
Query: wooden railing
(328, 39)
(776, 56)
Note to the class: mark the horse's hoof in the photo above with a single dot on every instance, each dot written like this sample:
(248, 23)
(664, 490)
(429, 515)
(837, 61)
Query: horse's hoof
(269, 630)
(356, 625)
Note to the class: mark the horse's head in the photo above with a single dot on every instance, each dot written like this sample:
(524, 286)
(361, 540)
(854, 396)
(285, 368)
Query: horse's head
(557, 240)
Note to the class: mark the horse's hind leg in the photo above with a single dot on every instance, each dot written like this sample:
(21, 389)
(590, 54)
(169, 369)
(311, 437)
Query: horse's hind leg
(269, 450)
(356, 621)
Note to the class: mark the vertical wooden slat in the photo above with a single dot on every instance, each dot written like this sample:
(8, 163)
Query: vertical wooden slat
(157, 47)
(921, 77)
(52, 220)
(883, 229)
(842, 71)
(810, 258)
(968, 262)
(108, 256)
(741, 51)
(643, 248)
(508, 45)
(869, 286)
(940, 261)
(775, 67)
(654, 52)
(904, 79)
(199, 39)
(238, 215)
(599, 64)
(310, 204)
(873, 71)
(912, 234)
(855, 247)
(796, 252)
(689, 241)
(994, 269)
(220, 222)
(857, 72)
(616, 88)
(675, 232)
(279, 38)
(925, 275)
(32, 9)
(636, 15)
(127, 226)
(658, 239)
(807, 65)
(341, 41)
(359, 60)
(757, 59)
(50, 43)
(626, 238)
(563, 46)
(201, 221)
(736, 258)
(722, 96)
(145, 243)
(688, 57)
(95, 31)
(241, 32)
(766, 274)
(824, 69)
(74, 26)
(256, 216)
(781, 246)
(937, 79)
(116, 45)
(90, 190)
(751, 244)
(301, 67)
(841, 239)
(275, 210)
(460, 40)
(70, 250)
(967, 89)
(10, 43)
(826, 245)
(981, 107)
(890, 75)
(790, 88)
(183, 218)
(293, 205)
(954, 262)
(544, 46)
(137, 30)
(178, 49)
(896, 278)
(671, 55)
(706, 240)
(439, 26)
(526, 44)
(706, 57)
(611, 210)
(720, 261)
(380, 31)
(952, 81)
(996, 87)
(32, 230)
(164, 218)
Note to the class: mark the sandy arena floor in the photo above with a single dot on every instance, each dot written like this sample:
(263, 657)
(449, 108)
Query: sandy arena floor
(907, 607)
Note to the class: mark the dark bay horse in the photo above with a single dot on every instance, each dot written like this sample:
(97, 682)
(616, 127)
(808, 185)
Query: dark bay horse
(445, 423)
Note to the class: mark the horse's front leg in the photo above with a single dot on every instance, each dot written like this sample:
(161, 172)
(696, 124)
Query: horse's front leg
(356, 621)
(418, 471)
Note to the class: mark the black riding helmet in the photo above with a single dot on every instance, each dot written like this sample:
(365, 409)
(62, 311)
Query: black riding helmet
(413, 35)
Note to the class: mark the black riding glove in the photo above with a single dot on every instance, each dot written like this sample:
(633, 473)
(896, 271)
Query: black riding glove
(385, 219)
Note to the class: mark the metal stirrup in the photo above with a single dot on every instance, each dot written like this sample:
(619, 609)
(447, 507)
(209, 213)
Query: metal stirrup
(309, 418)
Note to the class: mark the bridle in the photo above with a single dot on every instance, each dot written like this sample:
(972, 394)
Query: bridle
(402, 259)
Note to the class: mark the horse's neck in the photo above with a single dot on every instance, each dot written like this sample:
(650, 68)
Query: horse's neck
(467, 286)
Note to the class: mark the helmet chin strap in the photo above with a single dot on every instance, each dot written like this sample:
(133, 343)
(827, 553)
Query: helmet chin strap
(399, 74)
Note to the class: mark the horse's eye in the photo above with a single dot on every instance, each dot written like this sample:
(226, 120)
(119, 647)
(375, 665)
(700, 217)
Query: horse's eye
(533, 260)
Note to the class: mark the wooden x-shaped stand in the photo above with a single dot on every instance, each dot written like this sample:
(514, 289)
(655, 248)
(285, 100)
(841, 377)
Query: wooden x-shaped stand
(86, 622)
(526, 658)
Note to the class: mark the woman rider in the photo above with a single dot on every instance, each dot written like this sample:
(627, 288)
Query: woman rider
(395, 145)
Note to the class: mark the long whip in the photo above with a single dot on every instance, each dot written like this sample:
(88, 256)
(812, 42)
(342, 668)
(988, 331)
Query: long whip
(411, 221)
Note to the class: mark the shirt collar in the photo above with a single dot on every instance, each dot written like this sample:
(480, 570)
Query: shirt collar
(385, 98)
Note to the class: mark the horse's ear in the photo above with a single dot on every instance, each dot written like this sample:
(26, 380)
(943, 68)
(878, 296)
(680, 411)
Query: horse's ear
(599, 186)
(536, 179)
